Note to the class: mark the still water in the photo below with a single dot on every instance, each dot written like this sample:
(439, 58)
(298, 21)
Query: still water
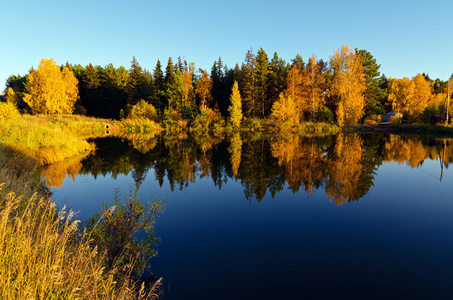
(294, 217)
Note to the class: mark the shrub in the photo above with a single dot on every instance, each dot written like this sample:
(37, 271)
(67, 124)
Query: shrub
(428, 112)
(8, 111)
(142, 110)
(324, 114)
(116, 230)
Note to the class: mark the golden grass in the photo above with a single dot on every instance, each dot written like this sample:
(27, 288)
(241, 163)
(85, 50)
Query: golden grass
(50, 138)
(43, 256)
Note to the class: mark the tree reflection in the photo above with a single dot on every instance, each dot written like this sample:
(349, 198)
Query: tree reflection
(342, 166)
(235, 151)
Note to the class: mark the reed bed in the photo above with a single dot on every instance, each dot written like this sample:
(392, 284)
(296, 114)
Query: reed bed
(44, 256)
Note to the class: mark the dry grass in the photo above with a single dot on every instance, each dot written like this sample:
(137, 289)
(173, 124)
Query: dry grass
(43, 256)
(50, 138)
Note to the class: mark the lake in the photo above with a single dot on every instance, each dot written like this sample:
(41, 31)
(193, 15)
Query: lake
(348, 216)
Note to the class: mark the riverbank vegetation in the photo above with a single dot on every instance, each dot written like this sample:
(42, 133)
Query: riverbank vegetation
(348, 89)
(46, 254)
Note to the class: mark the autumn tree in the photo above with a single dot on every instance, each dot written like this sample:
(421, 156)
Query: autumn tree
(51, 90)
(347, 85)
(401, 94)
(203, 87)
(314, 86)
(294, 86)
(188, 94)
(284, 111)
(235, 108)
(422, 93)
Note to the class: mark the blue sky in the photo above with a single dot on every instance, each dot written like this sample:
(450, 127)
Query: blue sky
(406, 37)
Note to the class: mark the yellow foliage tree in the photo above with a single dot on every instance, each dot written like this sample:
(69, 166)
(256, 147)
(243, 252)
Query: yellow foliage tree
(348, 85)
(294, 88)
(401, 94)
(235, 108)
(187, 97)
(50, 90)
(284, 111)
(422, 94)
(203, 88)
(315, 79)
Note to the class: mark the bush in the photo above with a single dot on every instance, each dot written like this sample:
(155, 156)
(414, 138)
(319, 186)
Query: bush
(324, 114)
(142, 110)
(428, 112)
(8, 111)
(116, 230)
(373, 120)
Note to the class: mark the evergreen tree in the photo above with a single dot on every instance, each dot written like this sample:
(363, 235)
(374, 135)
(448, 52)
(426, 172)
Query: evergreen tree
(298, 61)
(277, 78)
(137, 87)
(262, 78)
(158, 86)
(248, 85)
(218, 86)
(374, 94)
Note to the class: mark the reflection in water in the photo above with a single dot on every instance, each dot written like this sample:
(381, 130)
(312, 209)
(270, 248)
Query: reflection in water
(343, 165)
(56, 173)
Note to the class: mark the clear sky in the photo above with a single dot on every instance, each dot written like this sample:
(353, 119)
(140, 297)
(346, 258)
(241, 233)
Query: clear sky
(405, 36)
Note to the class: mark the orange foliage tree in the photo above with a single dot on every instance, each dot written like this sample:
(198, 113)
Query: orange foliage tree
(294, 90)
(422, 94)
(284, 111)
(347, 85)
(51, 90)
(203, 87)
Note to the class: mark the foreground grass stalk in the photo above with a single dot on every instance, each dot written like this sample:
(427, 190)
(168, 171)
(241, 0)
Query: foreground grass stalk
(44, 256)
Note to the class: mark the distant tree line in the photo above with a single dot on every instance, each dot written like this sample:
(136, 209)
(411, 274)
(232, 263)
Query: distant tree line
(347, 90)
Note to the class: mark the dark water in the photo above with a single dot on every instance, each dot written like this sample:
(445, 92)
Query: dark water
(254, 217)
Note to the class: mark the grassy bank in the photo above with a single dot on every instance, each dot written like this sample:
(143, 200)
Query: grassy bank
(44, 254)
(48, 138)
(52, 138)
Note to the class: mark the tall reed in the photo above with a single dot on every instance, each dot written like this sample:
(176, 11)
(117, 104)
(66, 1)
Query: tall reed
(44, 256)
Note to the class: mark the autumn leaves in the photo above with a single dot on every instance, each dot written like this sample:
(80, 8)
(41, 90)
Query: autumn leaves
(51, 90)
(346, 90)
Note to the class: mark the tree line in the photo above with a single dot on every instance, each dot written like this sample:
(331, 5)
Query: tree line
(346, 90)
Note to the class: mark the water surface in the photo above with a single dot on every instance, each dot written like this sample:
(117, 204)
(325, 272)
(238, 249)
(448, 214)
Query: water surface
(254, 217)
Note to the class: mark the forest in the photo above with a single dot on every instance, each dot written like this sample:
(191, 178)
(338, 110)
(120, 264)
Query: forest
(348, 89)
